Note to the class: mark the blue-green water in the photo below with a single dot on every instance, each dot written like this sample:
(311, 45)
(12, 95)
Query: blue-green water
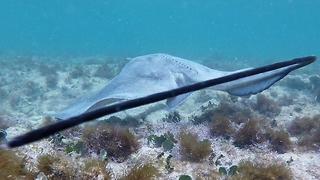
(266, 130)
(190, 29)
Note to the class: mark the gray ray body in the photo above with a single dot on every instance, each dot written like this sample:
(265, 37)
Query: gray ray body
(155, 73)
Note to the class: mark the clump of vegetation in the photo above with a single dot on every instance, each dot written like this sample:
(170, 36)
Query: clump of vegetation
(266, 106)
(227, 107)
(77, 72)
(221, 126)
(127, 121)
(250, 133)
(31, 89)
(297, 83)
(302, 125)
(47, 120)
(106, 70)
(235, 113)
(311, 140)
(60, 65)
(51, 81)
(286, 100)
(166, 141)
(191, 148)
(224, 108)
(258, 169)
(279, 140)
(255, 131)
(173, 117)
(57, 166)
(217, 161)
(142, 171)
(47, 70)
(95, 169)
(118, 141)
(13, 167)
(297, 109)
(315, 81)
(241, 117)
(230, 171)
(86, 85)
(307, 130)
(45, 163)
(185, 177)
(168, 165)
(206, 116)
(14, 101)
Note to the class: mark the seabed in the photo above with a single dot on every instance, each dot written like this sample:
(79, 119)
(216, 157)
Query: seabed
(274, 134)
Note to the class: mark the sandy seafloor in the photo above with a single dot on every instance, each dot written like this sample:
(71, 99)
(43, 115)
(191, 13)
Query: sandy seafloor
(27, 95)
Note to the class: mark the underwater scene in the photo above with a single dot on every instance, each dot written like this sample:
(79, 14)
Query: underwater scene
(62, 59)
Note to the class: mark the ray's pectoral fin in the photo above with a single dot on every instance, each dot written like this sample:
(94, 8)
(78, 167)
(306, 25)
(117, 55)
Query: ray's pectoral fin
(175, 101)
(259, 82)
(256, 87)
(103, 102)
(83, 105)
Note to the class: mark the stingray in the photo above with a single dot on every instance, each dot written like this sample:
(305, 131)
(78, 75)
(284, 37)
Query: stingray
(151, 78)
(154, 73)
